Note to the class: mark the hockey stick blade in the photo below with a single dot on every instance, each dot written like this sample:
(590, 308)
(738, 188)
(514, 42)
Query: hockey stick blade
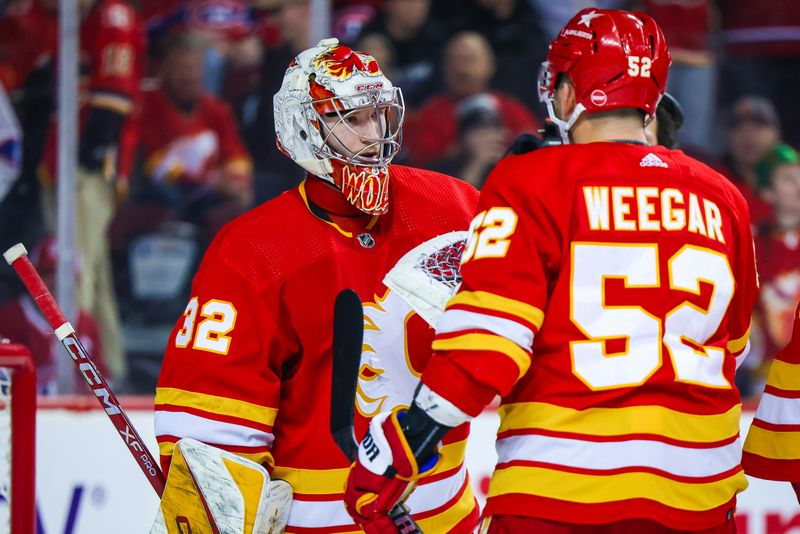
(348, 338)
(17, 258)
(348, 334)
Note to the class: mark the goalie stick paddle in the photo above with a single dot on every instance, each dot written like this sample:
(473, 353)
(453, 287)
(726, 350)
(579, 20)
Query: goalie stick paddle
(348, 338)
(348, 334)
(17, 257)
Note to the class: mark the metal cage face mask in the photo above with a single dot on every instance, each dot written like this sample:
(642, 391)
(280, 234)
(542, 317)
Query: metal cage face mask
(363, 130)
(546, 90)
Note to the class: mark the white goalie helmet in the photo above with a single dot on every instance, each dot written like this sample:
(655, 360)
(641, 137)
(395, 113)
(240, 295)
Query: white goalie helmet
(340, 118)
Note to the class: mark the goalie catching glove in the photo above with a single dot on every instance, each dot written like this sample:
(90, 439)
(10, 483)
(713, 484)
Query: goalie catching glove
(399, 449)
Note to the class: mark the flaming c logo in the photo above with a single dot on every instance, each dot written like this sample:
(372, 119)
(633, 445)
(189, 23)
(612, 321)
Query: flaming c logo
(366, 188)
(341, 63)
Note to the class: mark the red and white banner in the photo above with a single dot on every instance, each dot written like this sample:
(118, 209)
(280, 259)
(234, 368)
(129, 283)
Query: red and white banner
(87, 482)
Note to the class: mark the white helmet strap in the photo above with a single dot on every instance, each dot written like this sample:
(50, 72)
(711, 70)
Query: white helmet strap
(564, 126)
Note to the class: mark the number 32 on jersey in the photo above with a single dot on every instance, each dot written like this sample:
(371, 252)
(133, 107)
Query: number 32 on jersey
(219, 318)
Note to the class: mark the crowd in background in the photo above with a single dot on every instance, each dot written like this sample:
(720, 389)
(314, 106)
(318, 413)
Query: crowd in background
(177, 134)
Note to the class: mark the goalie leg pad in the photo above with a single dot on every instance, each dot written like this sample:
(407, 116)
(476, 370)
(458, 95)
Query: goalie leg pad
(212, 490)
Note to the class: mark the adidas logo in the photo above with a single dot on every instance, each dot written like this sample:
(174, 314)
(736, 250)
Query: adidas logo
(651, 160)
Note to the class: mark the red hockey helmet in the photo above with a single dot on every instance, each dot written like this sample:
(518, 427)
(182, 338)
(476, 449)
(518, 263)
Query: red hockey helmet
(615, 59)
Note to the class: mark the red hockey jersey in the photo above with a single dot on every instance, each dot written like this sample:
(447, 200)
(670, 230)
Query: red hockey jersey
(248, 366)
(772, 448)
(778, 253)
(193, 147)
(633, 269)
(112, 65)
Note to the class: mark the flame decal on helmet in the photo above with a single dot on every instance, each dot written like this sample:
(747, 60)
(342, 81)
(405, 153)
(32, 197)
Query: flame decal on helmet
(341, 62)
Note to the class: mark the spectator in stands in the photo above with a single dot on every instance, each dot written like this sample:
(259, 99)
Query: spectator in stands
(778, 250)
(28, 35)
(555, 15)
(111, 59)
(274, 172)
(692, 76)
(515, 32)
(227, 27)
(379, 47)
(416, 39)
(482, 141)
(348, 21)
(753, 130)
(22, 322)
(432, 132)
(193, 156)
(762, 56)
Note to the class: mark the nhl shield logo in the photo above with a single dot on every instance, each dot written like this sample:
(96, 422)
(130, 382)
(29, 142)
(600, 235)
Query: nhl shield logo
(366, 240)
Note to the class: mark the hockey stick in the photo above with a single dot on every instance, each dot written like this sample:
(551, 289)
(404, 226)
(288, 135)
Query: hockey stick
(17, 257)
(348, 337)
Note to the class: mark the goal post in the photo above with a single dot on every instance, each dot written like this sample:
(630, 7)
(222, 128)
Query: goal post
(17, 439)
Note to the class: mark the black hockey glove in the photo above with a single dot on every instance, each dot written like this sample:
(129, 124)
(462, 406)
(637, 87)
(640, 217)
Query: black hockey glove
(100, 133)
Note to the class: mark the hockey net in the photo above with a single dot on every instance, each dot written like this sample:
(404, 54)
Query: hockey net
(17, 439)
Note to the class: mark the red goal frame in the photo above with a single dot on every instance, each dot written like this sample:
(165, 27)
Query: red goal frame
(18, 360)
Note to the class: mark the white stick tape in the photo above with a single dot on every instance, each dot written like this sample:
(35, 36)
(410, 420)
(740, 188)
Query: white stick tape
(64, 330)
(14, 253)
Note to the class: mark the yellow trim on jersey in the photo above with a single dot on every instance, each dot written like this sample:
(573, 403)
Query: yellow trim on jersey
(302, 190)
(331, 481)
(490, 342)
(313, 481)
(490, 301)
(774, 445)
(166, 448)
(592, 489)
(449, 518)
(784, 376)
(655, 420)
(217, 405)
(738, 345)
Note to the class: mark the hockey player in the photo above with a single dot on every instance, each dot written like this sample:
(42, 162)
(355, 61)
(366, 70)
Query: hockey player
(772, 450)
(606, 296)
(248, 366)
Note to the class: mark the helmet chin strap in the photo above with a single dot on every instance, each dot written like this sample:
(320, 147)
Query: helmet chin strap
(564, 126)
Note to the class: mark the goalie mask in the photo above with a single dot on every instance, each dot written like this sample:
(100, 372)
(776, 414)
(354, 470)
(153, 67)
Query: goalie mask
(615, 59)
(340, 118)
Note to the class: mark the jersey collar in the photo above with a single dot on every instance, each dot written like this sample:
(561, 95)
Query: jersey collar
(326, 203)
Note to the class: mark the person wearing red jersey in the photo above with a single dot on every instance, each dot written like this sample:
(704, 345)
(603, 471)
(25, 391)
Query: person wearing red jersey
(112, 65)
(771, 450)
(248, 367)
(192, 151)
(606, 298)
